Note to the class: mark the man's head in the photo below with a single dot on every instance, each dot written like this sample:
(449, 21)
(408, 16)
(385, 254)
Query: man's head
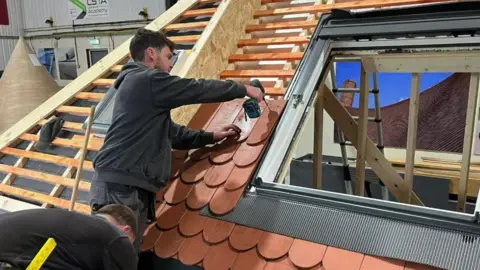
(153, 49)
(122, 217)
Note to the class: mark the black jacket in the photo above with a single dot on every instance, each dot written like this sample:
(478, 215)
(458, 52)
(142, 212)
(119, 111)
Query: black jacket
(138, 144)
(83, 242)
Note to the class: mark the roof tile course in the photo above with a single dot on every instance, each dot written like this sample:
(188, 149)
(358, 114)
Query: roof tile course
(441, 117)
(216, 176)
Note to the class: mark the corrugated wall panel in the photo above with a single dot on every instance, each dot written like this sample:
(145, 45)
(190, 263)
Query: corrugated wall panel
(38, 12)
(15, 27)
(6, 49)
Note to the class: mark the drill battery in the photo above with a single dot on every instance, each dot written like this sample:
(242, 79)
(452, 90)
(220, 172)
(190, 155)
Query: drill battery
(251, 107)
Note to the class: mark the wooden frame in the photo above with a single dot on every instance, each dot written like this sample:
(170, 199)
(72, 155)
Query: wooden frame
(468, 139)
(422, 62)
(412, 131)
(416, 63)
(362, 131)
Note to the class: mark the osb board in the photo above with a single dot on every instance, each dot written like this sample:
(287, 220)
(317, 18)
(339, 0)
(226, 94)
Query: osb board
(218, 41)
(84, 81)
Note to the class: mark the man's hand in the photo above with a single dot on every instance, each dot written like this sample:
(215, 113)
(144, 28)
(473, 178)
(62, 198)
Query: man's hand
(254, 92)
(226, 131)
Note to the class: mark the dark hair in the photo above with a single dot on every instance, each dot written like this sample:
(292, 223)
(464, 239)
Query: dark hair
(122, 214)
(144, 39)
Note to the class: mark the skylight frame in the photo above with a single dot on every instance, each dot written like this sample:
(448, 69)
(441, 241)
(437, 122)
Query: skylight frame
(436, 48)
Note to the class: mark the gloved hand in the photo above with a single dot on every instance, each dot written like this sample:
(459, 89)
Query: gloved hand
(49, 132)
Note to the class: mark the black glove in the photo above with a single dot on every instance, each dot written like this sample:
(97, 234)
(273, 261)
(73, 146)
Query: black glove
(49, 132)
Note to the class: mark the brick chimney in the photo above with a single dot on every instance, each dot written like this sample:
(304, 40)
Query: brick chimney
(346, 99)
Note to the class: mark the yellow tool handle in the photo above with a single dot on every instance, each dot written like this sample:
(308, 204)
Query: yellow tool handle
(42, 255)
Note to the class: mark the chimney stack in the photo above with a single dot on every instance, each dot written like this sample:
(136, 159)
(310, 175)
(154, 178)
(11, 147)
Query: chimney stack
(346, 99)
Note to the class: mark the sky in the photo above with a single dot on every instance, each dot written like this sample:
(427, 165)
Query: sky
(394, 87)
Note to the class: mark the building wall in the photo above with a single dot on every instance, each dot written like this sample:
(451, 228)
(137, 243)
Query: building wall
(70, 40)
(10, 33)
(38, 12)
(79, 46)
(27, 17)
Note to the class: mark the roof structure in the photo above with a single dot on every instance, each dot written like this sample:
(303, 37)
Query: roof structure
(24, 85)
(441, 118)
(215, 176)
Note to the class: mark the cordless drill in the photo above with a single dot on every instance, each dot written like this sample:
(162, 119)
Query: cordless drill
(251, 107)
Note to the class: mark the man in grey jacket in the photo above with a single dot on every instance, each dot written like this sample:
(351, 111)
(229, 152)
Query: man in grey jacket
(134, 162)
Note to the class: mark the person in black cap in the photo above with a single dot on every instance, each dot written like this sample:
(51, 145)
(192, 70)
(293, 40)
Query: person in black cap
(83, 242)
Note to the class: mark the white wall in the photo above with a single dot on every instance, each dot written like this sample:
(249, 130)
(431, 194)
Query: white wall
(9, 33)
(38, 11)
(82, 45)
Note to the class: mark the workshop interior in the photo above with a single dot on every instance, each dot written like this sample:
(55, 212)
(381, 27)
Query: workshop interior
(363, 154)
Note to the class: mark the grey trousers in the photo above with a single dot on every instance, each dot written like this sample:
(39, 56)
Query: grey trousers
(102, 194)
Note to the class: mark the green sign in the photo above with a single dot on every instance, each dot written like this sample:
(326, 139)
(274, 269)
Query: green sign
(85, 9)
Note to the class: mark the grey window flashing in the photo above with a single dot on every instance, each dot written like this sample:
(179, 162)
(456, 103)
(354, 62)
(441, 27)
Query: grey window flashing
(439, 238)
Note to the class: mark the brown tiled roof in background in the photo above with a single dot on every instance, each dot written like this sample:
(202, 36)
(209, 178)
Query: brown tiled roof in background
(441, 119)
(216, 176)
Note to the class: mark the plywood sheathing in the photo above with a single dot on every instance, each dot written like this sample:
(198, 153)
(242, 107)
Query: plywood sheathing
(24, 86)
(218, 41)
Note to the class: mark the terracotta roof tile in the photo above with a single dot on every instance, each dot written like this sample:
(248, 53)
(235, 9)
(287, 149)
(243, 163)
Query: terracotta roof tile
(200, 196)
(225, 151)
(273, 246)
(371, 262)
(169, 243)
(341, 259)
(196, 172)
(170, 215)
(306, 254)
(178, 192)
(217, 231)
(216, 178)
(249, 260)
(224, 200)
(220, 257)
(239, 177)
(441, 118)
(150, 236)
(244, 238)
(283, 263)
(218, 174)
(193, 250)
(192, 223)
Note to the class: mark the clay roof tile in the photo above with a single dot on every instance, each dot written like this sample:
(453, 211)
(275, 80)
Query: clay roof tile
(216, 178)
